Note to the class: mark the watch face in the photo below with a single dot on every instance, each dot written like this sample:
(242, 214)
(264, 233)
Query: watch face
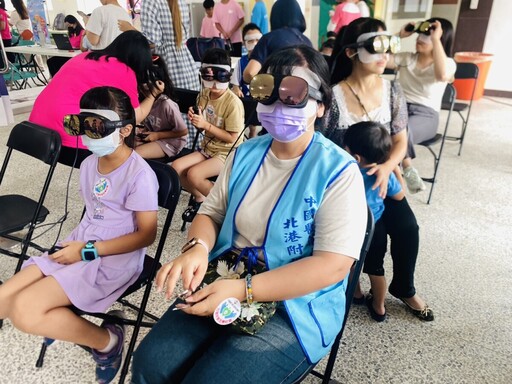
(89, 255)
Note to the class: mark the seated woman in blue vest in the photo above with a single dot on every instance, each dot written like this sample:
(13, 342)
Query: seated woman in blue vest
(299, 200)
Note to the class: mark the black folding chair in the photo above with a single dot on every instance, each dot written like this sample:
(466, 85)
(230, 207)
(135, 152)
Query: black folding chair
(19, 211)
(464, 71)
(168, 197)
(449, 101)
(326, 375)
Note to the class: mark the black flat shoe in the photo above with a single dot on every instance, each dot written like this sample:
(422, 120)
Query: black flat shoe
(425, 314)
(374, 315)
(191, 212)
(359, 300)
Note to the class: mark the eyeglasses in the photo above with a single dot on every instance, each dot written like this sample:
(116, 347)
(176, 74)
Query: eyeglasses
(379, 44)
(215, 73)
(420, 27)
(292, 91)
(92, 125)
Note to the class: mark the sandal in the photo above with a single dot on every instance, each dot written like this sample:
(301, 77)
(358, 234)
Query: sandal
(425, 314)
(191, 211)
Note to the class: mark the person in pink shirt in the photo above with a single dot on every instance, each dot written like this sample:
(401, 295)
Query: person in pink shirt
(344, 14)
(124, 64)
(229, 17)
(5, 31)
(208, 28)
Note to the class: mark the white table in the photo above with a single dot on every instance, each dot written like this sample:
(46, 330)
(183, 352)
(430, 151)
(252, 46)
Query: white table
(44, 51)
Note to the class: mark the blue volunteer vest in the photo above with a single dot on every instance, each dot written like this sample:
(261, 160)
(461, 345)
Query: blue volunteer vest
(316, 317)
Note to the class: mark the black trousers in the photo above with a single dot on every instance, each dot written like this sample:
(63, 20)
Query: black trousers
(398, 221)
(236, 50)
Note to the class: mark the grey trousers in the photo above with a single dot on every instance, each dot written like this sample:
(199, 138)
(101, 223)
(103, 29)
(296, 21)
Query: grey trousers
(422, 125)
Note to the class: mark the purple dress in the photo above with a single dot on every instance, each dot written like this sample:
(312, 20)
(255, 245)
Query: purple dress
(111, 202)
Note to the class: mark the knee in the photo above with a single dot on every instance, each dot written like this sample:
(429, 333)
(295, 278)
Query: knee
(195, 175)
(178, 167)
(22, 316)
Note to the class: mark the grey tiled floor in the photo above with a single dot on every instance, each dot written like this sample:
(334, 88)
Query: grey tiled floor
(463, 271)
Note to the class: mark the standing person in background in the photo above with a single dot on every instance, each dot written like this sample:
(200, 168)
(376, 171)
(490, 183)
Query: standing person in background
(208, 28)
(364, 10)
(229, 17)
(102, 26)
(288, 25)
(19, 17)
(5, 31)
(166, 24)
(344, 14)
(423, 77)
(259, 16)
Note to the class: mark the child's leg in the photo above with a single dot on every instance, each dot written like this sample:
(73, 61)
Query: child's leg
(150, 150)
(198, 175)
(15, 285)
(183, 164)
(379, 288)
(41, 309)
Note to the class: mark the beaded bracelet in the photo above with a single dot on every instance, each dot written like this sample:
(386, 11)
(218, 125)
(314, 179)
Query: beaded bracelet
(248, 288)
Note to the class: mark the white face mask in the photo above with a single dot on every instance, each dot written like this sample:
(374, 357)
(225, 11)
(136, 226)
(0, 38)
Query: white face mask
(367, 57)
(251, 39)
(426, 39)
(250, 46)
(104, 146)
(218, 85)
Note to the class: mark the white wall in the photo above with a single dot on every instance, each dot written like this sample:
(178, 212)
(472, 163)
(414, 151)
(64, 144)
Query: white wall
(496, 42)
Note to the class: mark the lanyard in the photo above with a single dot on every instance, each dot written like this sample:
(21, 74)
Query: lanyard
(358, 100)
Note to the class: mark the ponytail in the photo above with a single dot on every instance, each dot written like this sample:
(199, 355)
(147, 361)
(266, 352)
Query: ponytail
(177, 25)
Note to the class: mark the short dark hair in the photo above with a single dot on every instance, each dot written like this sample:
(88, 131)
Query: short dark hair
(287, 13)
(113, 99)
(283, 61)
(132, 49)
(341, 64)
(207, 4)
(447, 36)
(216, 56)
(370, 140)
(249, 27)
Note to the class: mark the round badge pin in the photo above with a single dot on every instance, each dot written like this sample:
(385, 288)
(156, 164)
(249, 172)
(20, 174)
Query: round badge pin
(227, 311)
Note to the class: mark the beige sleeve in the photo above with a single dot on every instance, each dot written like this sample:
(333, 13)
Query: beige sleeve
(340, 221)
(234, 117)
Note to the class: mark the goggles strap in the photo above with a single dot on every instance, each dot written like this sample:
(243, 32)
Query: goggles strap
(220, 66)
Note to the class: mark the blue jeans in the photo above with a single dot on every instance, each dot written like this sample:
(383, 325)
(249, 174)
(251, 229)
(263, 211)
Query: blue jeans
(190, 349)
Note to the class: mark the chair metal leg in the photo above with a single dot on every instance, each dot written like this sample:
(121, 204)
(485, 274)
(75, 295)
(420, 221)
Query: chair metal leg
(46, 343)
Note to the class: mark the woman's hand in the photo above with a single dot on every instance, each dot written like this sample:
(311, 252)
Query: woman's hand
(191, 266)
(197, 121)
(70, 254)
(403, 31)
(158, 88)
(124, 26)
(382, 172)
(436, 30)
(204, 301)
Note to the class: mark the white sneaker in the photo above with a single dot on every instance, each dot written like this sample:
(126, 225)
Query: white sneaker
(413, 180)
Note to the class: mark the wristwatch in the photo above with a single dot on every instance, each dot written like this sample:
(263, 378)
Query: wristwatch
(193, 242)
(89, 252)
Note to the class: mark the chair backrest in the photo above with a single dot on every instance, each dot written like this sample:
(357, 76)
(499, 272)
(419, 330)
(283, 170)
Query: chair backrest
(185, 98)
(36, 141)
(349, 294)
(466, 71)
(449, 96)
(250, 117)
(168, 184)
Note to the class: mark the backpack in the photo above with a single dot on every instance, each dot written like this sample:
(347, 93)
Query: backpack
(58, 22)
(199, 45)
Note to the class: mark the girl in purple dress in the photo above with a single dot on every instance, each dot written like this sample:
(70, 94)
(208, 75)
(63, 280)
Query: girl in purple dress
(102, 256)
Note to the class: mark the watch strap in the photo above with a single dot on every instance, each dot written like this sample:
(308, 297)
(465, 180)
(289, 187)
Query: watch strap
(193, 242)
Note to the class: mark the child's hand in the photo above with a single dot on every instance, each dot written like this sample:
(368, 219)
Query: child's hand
(197, 121)
(150, 136)
(70, 254)
(124, 26)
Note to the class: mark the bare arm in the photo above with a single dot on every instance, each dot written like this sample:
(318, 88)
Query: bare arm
(237, 26)
(162, 135)
(93, 38)
(252, 69)
(438, 53)
(222, 31)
